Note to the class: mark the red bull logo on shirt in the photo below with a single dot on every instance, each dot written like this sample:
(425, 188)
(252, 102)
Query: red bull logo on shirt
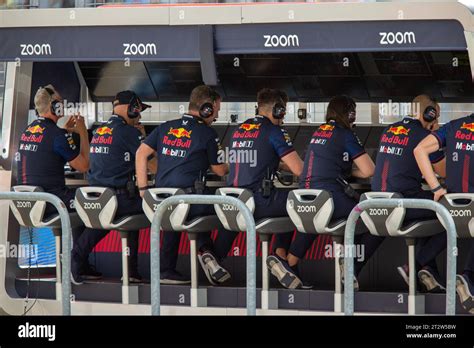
(35, 129)
(180, 132)
(249, 126)
(104, 131)
(103, 135)
(326, 127)
(468, 126)
(399, 130)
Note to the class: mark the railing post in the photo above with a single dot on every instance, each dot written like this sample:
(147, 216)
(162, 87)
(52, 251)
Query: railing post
(442, 212)
(66, 237)
(203, 199)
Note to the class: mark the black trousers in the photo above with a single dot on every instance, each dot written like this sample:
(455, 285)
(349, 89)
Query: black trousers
(91, 237)
(265, 207)
(67, 195)
(343, 206)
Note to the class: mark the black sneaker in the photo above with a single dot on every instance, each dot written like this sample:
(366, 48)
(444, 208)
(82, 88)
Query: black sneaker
(404, 272)
(341, 266)
(304, 285)
(89, 272)
(465, 289)
(283, 272)
(173, 278)
(215, 273)
(431, 280)
(76, 277)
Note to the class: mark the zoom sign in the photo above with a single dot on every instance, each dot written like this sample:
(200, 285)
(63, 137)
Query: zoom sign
(140, 49)
(281, 40)
(399, 38)
(35, 49)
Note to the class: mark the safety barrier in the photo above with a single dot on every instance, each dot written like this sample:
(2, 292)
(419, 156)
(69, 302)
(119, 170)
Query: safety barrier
(66, 240)
(443, 214)
(203, 199)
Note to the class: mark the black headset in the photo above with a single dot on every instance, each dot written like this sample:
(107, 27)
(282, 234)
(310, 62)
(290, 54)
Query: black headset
(279, 110)
(134, 107)
(430, 114)
(206, 110)
(55, 104)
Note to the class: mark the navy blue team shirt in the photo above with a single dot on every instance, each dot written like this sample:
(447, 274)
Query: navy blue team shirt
(112, 153)
(457, 137)
(396, 169)
(330, 154)
(185, 148)
(268, 142)
(43, 151)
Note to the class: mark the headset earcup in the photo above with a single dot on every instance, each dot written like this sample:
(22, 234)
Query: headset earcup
(131, 113)
(55, 107)
(278, 111)
(206, 110)
(429, 115)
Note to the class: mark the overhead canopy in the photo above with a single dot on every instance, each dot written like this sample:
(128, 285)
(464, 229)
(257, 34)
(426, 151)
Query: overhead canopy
(182, 43)
(110, 43)
(369, 36)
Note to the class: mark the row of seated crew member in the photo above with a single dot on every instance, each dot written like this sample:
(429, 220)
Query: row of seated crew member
(272, 143)
(274, 148)
(113, 165)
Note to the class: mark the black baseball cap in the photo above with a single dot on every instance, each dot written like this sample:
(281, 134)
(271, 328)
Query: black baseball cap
(125, 97)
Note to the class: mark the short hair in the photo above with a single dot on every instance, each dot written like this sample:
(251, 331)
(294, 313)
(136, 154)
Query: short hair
(200, 95)
(421, 102)
(43, 98)
(268, 97)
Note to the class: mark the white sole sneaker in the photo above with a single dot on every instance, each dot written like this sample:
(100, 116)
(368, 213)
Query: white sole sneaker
(464, 293)
(287, 279)
(215, 273)
(174, 282)
(430, 282)
(74, 281)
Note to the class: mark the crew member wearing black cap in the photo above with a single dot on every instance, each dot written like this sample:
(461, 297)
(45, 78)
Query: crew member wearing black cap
(112, 164)
(186, 148)
(45, 148)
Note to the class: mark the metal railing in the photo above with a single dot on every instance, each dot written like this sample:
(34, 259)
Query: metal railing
(442, 212)
(203, 199)
(66, 237)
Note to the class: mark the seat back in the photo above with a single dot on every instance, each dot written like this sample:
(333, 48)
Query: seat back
(231, 218)
(310, 210)
(174, 217)
(383, 221)
(96, 206)
(28, 213)
(461, 208)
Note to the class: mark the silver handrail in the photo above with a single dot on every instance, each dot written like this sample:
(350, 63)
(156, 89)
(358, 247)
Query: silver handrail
(442, 212)
(203, 199)
(66, 237)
